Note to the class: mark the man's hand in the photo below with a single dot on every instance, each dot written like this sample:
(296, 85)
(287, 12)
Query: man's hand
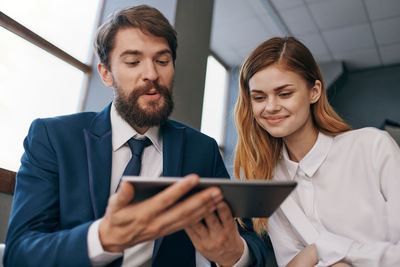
(217, 237)
(126, 224)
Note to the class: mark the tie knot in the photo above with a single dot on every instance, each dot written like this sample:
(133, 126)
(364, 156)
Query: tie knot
(137, 145)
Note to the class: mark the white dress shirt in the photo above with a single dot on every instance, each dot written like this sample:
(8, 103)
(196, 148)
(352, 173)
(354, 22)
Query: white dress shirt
(348, 188)
(152, 165)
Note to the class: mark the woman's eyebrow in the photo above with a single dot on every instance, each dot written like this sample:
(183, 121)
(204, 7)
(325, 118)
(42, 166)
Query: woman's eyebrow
(280, 88)
(277, 89)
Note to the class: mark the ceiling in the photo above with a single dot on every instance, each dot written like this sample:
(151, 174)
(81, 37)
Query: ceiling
(360, 33)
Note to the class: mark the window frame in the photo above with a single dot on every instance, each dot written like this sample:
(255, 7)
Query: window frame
(20, 30)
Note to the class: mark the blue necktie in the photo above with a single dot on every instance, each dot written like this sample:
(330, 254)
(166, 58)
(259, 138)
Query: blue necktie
(137, 146)
(133, 167)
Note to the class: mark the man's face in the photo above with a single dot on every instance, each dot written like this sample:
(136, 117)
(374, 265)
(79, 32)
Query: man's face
(141, 72)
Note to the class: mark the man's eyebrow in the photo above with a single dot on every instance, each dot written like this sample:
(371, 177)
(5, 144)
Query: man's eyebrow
(139, 53)
(130, 52)
(165, 51)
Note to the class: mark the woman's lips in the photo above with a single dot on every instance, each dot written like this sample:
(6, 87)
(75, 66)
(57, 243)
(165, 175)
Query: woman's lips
(275, 119)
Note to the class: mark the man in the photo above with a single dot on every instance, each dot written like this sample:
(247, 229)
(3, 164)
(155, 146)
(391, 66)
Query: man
(72, 164)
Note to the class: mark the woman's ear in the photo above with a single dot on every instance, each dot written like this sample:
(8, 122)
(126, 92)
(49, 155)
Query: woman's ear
(105, 74)
(315, 92)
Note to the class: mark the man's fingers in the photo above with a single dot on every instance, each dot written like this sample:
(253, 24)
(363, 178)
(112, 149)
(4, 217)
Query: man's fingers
(173, 193)
(197, 232)
(187, 212)
(225, 214)
(191, 233)
(213, 223)
(122, 197)
(192, 209)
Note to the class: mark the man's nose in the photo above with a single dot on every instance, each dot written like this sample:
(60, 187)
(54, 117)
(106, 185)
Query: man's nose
(149, 72)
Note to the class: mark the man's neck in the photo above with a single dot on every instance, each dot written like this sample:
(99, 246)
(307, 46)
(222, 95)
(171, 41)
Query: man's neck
(140, 130)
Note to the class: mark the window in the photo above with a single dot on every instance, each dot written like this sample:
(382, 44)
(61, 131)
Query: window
(214, 102)
(35, 83)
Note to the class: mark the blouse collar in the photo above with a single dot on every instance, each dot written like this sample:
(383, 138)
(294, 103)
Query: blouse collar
(312, 160)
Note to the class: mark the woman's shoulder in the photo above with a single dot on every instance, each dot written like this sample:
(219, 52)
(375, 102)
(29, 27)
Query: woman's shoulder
(368, 135)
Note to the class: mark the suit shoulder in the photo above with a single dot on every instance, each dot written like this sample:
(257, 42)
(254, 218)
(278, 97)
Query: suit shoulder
(70, 118)
(65, 123)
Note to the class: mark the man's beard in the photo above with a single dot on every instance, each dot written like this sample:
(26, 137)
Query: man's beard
(155, 113)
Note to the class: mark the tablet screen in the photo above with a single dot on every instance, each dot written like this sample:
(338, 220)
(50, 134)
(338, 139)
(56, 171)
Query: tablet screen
(246, 198)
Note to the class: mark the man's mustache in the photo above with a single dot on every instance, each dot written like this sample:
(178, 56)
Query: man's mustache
(149, 86)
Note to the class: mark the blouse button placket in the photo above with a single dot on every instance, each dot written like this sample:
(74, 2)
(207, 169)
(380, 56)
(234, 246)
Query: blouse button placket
(306, 193)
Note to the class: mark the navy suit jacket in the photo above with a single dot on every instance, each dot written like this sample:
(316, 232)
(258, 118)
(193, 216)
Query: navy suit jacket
(63, 185)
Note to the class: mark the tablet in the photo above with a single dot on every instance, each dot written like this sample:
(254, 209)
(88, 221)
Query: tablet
(246, 198)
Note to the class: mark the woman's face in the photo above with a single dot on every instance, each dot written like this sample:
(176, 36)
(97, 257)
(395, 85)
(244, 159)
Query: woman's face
(280, 101)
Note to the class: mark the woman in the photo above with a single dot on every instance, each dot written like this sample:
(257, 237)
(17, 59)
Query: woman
(347, 180)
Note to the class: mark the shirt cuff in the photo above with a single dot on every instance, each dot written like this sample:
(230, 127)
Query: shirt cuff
(246, 257)
(331, 248)
(97, 255)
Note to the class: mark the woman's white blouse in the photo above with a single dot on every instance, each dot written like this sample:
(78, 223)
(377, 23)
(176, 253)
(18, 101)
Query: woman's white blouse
(349, 189)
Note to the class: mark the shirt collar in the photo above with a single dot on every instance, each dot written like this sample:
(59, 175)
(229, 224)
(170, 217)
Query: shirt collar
(122, 132)
(290, 165)
(312, 160)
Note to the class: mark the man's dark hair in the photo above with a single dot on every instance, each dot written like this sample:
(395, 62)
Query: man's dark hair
(143, 17)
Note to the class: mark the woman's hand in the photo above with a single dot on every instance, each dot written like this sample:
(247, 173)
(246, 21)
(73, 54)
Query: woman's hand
(308, 257)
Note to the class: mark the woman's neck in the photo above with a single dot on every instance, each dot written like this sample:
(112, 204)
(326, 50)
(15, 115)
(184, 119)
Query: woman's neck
(300, 143)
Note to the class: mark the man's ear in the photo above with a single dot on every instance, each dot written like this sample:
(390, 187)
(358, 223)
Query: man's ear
(315, 92)
(105, 74)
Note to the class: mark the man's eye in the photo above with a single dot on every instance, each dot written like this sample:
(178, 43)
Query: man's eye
(132, 63)
(163, 62)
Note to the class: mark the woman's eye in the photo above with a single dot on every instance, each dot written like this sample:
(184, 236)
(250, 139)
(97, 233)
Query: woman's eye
(286, 94)
(258, 98)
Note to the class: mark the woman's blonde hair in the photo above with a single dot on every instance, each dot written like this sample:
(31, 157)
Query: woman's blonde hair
(257, 152)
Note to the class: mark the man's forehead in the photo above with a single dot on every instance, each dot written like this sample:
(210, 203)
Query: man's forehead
(136, 39)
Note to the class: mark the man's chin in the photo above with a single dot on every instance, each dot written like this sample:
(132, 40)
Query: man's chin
(151, 105)
(151, 110)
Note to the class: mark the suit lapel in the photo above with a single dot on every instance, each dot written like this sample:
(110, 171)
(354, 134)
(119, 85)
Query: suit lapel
(99, 152)
(173, 140)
